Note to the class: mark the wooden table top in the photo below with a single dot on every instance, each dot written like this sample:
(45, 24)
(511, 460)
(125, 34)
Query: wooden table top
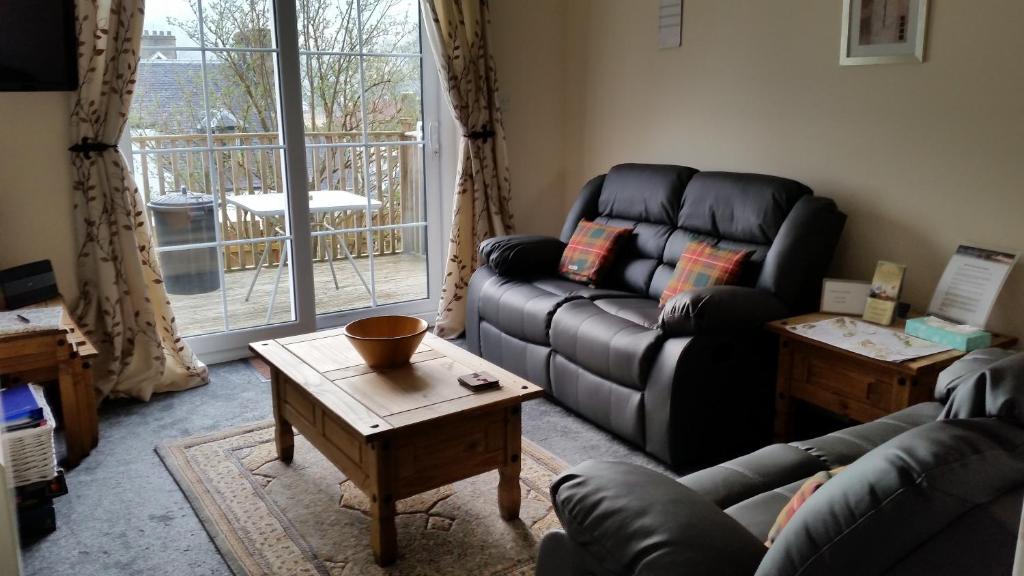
(781, 327)
(78, 341)
(376, 402)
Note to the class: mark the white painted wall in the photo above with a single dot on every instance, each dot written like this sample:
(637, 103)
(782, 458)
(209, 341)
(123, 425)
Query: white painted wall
(36, 202)
(921, 157)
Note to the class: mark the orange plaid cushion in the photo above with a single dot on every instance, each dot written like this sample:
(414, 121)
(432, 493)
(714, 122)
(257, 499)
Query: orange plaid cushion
(590, 250)
(703, 265)
(806, 490)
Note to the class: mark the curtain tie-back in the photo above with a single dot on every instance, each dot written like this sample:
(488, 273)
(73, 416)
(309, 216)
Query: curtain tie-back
(87, 146)
(484, 133)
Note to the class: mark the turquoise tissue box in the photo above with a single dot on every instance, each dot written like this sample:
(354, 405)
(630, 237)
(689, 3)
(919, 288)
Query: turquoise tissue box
(963, 338)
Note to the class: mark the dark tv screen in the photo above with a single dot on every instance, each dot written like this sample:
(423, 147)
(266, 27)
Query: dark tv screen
(37, 45)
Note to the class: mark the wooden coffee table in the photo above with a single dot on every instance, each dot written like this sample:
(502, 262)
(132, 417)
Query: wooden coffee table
(398, 432)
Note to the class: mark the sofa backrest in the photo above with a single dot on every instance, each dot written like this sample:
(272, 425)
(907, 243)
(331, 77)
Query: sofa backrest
(958, 477)
(670, 206)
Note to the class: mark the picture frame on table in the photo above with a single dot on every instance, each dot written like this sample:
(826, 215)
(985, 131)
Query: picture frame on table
(883, 32)
(844, 296)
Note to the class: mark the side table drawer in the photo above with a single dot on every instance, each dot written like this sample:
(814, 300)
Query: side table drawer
(823, 376)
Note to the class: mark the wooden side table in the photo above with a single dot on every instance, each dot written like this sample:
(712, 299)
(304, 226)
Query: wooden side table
(857, 387)
(64, 356)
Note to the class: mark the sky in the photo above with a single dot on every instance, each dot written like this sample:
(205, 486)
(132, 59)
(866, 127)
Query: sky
(159, 11)
(159, 14)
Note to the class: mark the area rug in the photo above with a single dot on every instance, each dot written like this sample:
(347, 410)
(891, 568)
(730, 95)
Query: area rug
(268, 518)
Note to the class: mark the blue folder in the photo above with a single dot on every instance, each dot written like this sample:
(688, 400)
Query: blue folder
(20, 406)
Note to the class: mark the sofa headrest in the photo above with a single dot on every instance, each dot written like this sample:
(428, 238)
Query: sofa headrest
(644, 192)
(743, 207)
(986, 383)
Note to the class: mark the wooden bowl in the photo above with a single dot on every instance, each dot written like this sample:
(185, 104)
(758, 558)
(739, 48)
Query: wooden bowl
(386, 341)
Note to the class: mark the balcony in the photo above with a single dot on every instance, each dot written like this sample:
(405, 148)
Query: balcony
(229, 167)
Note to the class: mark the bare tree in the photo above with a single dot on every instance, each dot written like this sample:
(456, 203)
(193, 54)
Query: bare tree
(245, 83)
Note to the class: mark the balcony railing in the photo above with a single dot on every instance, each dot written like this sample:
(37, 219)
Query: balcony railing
(246, 163)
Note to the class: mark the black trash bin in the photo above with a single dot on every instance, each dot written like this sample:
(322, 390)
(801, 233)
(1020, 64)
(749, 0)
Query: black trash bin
(187, 218)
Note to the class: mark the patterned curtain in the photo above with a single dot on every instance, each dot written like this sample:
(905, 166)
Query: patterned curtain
(123, 306)
(458, 35)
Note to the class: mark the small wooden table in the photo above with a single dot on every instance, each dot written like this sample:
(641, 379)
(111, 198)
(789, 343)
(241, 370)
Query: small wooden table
(398, 432)
(64, 355)
(857, 387)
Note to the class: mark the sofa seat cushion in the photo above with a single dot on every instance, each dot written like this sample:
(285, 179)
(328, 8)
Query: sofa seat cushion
(642, 311)
(525, 359)
(519, 308)
(608, 345)
(563, 287)
(761, 471)
(843, 447)
(616, 408)
(758, 513)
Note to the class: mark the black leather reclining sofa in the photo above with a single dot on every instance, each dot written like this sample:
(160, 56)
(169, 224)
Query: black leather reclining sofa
(693, 384)
(932, 490)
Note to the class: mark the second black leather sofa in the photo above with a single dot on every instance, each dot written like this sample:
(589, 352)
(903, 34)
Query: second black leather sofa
(689, 384)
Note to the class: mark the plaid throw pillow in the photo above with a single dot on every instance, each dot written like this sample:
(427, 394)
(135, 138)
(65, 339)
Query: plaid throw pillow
(703, 265)
(806, 490)
(590, 250)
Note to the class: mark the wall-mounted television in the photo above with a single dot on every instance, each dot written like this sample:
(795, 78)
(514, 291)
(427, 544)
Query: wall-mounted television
(37, 46)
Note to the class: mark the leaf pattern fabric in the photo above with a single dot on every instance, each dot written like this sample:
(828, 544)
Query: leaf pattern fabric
(457, 31)
(123, 307)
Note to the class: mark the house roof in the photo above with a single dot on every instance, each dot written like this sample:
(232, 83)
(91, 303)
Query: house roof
(168, 97)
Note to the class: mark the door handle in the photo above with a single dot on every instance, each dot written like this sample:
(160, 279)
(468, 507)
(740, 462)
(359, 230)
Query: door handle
(433, 139)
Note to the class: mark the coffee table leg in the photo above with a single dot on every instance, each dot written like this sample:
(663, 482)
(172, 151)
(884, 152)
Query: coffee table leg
(509, 492)
(383, 534)
(284, 436)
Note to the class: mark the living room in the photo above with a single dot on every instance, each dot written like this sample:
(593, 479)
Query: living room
(905, 161)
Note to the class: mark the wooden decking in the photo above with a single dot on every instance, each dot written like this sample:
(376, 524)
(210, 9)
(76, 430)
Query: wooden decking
(399, 278)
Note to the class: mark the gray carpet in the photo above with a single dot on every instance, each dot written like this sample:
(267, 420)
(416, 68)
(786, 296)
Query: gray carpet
(126, 516)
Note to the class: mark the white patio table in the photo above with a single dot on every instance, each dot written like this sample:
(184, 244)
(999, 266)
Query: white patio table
(275, 204)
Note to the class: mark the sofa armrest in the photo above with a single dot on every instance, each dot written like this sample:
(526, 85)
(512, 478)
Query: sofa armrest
(719, 309)
(633, 520)
(522, 255)
(801, 252)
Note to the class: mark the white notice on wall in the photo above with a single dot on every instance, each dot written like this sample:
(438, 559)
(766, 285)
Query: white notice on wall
(970, 285)
(670, 24)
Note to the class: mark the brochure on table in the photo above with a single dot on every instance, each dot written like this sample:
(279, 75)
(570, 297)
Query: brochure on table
(885, 292)
(970, 285)
(868, 339)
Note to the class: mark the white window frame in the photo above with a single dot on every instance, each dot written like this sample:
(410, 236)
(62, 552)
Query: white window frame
(439, 131)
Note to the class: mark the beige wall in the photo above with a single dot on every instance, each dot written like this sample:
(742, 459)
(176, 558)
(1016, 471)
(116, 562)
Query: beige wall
(35, 184)
(921, 157)
(526, 36)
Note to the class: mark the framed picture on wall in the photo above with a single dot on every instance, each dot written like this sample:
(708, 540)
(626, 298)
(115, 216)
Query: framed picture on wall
(883, 32)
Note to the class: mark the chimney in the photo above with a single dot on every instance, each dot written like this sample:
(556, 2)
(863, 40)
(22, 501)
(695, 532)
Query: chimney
(158, 42)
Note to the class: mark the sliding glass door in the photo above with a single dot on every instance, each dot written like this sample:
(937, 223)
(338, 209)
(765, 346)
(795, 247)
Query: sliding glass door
(280, 150)
(362, 86)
